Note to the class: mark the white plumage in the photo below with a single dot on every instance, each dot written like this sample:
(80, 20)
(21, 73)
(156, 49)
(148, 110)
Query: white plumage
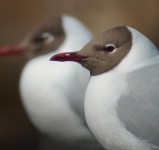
(53, 93)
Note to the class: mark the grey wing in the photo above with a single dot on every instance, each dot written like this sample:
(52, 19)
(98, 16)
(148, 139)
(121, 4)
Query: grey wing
(139, 110)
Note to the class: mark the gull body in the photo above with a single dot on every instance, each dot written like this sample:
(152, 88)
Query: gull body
(53, 93)
(122, 99)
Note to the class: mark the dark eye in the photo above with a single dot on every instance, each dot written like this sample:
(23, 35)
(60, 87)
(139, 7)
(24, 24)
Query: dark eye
(110, 48)
(38, 39)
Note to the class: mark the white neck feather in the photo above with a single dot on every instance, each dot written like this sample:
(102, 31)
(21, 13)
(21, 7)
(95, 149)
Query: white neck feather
(76, 33)
(142, 49)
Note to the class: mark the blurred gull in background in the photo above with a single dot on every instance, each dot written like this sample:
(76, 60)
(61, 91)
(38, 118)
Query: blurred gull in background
(53, 93)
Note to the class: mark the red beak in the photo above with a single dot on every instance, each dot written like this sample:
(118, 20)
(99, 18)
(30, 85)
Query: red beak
(11, 50)
(68, 56)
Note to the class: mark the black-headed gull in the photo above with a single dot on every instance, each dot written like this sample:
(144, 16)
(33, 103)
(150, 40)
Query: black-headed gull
(122, 98)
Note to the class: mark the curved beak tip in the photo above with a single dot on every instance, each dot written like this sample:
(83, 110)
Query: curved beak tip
(53, 58)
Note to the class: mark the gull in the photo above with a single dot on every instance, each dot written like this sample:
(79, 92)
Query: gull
(52, 94)
(122, 98)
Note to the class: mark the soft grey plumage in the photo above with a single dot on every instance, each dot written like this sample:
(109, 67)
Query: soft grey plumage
(139, 108)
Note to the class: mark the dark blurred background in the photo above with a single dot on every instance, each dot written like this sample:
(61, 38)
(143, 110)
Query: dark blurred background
(19, 17)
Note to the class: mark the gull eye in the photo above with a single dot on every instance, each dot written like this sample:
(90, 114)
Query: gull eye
(44, 37)
(110, 48)
(48, 37)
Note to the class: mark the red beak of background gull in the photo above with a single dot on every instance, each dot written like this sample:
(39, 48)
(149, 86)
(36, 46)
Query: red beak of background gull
(68, 56)
(11, 50)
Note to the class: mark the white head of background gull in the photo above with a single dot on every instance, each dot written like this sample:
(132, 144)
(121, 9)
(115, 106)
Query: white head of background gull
(122, 98)
(53, 93)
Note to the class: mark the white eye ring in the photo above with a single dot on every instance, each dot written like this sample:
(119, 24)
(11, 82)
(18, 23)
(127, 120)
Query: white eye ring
(48, 36)
(111, 45)
(110, 48)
